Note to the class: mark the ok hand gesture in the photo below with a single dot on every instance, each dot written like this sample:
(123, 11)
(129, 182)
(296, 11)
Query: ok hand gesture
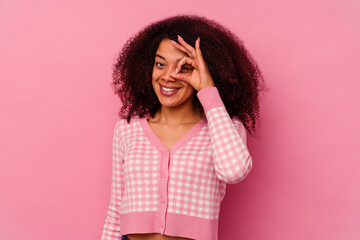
(200, 77)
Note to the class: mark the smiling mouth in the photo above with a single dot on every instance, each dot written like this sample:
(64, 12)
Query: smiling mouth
(166, 91)
(169, 89)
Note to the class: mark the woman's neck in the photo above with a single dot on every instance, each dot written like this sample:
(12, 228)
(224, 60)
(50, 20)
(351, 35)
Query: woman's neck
(177, 115)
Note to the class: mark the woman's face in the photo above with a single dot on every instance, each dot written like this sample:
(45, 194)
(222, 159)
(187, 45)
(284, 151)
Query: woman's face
(170, 91)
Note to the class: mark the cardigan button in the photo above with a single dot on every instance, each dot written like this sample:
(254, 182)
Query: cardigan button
(163, 175)
(163, 200)
(162, 225)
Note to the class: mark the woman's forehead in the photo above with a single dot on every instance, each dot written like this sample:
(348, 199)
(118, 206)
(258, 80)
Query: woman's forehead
(168, 52)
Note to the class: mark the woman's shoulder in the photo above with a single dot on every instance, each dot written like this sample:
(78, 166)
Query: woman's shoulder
(123, 129)
(123, 122)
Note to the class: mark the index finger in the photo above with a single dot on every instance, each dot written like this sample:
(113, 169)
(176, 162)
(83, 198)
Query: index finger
(180, 47)
(187, 46)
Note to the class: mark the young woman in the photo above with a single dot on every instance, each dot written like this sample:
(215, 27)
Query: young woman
(190, 90)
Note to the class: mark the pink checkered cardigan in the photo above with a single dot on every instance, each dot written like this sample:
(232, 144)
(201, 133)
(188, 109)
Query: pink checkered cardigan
(175, 191)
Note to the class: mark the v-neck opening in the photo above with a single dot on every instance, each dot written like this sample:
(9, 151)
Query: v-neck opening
(155, 140)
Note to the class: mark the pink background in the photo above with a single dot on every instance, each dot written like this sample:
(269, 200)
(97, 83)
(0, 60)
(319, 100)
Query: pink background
(57, 113)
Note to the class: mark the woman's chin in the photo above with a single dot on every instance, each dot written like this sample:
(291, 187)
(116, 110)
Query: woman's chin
(169, 104)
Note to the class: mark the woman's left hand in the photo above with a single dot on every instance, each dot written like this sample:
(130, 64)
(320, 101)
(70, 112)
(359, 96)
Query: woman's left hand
(200, 77)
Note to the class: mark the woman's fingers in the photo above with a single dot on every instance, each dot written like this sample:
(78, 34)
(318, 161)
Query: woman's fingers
(180, 47)
(196, 53)
(184, 60)
(197, 47)
(184, 74)
(182, 77)
(200, 76)
(187, 46)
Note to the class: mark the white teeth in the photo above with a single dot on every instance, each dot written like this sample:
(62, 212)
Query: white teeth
(169, 89)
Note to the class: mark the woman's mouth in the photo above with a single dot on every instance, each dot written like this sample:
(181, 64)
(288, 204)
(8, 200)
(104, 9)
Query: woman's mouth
(167, 92)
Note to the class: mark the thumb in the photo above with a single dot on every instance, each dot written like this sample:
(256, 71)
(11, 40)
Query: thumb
(181, 77)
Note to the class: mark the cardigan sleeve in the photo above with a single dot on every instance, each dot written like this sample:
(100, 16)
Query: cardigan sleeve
(231, 158)
(112, 228)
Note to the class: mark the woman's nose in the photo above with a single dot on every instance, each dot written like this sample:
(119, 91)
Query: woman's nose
(167, 76)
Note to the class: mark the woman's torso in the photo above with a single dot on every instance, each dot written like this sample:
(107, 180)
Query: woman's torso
(168, 139)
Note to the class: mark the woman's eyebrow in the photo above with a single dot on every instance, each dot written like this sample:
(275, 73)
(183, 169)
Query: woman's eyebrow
(158, 55)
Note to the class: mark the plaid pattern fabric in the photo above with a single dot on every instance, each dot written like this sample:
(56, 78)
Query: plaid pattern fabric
(197, 170)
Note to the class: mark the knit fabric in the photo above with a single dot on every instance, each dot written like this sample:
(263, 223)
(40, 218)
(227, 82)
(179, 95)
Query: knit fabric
(176, 191)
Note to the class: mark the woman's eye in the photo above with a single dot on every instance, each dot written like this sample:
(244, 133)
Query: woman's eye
(185, 68)
(159, 64)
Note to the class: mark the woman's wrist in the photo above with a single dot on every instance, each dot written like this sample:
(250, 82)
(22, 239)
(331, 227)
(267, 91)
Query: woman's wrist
(209, 97)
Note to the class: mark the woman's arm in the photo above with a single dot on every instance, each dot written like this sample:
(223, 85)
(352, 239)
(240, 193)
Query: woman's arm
(112, 224)
(232, 160)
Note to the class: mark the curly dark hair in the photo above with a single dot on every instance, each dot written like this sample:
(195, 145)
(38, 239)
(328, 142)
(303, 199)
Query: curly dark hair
(235, 73)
